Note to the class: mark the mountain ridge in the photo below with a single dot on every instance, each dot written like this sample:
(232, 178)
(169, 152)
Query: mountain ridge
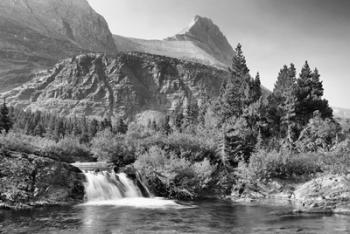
(96, 85)
(35, 34)
(202, 41)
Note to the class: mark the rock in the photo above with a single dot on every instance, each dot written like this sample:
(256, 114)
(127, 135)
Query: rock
(326, 194)
(202, 41)
(29, 180)
(100, 86)
(35, 34)
(130, 171)
(207, 36)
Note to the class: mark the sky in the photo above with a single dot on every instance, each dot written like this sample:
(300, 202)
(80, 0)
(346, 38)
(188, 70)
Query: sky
(272, 32)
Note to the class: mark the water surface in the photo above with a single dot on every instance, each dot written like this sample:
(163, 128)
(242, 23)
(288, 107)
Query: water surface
(199, 217)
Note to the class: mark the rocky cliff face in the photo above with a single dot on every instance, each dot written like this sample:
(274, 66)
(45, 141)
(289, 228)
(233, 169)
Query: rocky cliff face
(125, 84)
(35, 34)
(202, 41)
(30, 180)
(206, 35)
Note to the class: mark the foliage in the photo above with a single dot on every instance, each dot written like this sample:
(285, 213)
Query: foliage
(284, 165)
(192, 147)
(319, 135)
(184, 179)
(68, 149)
(19, 142)
(309, 94)
(112, 148)
(5, 121)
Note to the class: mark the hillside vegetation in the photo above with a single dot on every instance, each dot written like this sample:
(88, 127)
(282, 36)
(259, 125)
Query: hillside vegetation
(228, 143)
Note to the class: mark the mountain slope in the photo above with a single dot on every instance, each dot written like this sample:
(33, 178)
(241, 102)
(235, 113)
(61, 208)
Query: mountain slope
(202, 41)
(126, 84)
(35, 34)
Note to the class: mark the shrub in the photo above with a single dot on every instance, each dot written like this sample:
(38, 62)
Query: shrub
(180, 178)
(283, 165)
(319, 135)
(115, 149)
(191, 147)
(68, 149)
(23, 143)
(335, 162)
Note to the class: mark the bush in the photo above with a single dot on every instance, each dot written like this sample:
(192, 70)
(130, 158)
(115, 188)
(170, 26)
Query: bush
(69, 150)
(180, 178)
(335, 162)
(191, 147)
(319, 135)
(115, 149)
(23, 143)
(283, 165)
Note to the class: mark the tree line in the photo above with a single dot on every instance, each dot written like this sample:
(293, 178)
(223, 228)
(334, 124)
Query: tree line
(294, 116)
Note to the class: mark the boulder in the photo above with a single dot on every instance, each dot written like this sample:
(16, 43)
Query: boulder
(28, 180)
(326, 194)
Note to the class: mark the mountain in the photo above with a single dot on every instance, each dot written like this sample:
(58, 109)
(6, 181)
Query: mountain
(96, 85)
(35, 34)
(202, 41)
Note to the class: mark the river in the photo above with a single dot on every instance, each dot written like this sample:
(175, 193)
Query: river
(115, 204)
(198, 217)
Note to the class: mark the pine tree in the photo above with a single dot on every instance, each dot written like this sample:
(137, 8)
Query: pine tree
(5, 121)
(179, 121)
(236, 92)
(39, 130)
(93, 128)
(166, 128)
(288, 121)
(309, 94)
(239, 65)
(255, 89)
(121, 127)
(191, 114)
(59, 129)
(282, 103)
(154, 125)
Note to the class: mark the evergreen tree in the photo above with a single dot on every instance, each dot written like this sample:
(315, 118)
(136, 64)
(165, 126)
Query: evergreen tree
(191, 114)
(93, 128)
(239, 65)
(51, 125)
(121, 127)
(59, 129)
(309, 94)
(286, 80)
(5, 121)
(154, 125)
(282, 104)
(255, 89)
(77, 131)
(288, 121)
(235, 92)
(179, 121)
(166, 128)
(39, 130)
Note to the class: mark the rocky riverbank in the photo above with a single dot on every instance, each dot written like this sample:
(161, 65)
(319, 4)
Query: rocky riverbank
(323, 194)
(29, 180)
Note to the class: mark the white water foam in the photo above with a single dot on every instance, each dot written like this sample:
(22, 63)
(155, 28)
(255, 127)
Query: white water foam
(111, 189)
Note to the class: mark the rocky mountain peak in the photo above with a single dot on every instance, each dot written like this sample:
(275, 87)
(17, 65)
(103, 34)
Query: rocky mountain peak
(209, 37)
(35, 34)
(200, 23)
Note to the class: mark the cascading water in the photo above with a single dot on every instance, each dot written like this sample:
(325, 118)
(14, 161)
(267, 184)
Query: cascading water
(109, 188)
(102, 186)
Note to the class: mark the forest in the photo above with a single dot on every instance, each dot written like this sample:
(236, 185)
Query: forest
(247, 134)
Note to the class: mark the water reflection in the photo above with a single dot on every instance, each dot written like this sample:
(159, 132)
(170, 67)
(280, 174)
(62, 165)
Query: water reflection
(202, 217)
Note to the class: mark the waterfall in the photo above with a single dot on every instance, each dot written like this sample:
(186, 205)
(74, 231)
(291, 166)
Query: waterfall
(104, 186)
